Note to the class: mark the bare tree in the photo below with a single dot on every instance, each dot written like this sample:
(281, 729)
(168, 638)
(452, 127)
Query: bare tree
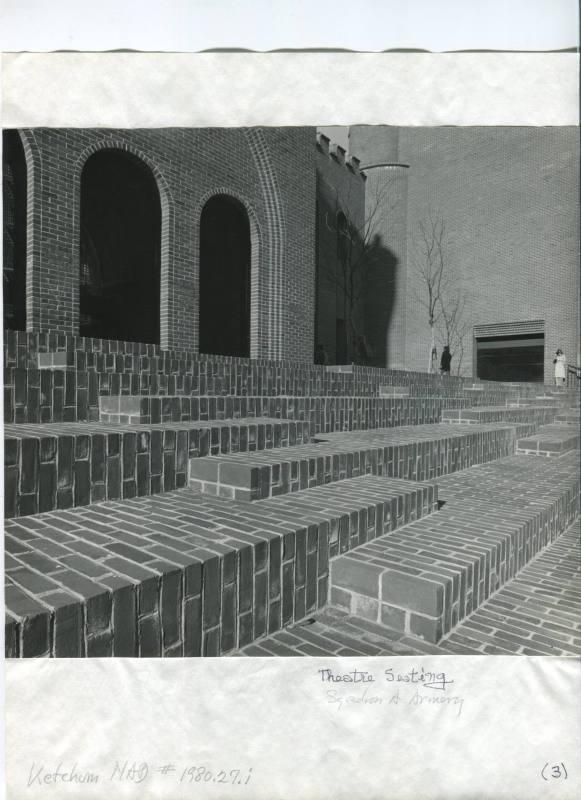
(444, 307)
(359, 250)
(454, 327)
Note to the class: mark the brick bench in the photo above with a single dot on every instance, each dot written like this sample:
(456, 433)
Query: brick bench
(182, 574)
(570, 417)
(64, 465)
(538, 415)
(394, 391)
(412, 453)
(325, 414)
(550, 440)
(426, 577)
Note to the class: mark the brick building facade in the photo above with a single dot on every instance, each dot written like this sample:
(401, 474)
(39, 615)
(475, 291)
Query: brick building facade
(507, 196)
(181, 480)
(268, 172)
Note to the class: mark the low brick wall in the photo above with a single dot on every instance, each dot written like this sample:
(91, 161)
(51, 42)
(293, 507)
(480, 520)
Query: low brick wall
(75, 465)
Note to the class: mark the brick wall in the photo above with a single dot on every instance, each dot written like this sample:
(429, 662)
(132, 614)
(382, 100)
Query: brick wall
(340, 189)
(270, 171)
(293, 158)
(509, 198)
(377, 148)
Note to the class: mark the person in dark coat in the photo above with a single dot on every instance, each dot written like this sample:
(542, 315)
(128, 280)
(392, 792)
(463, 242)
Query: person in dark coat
(446, 360)
(321, 355)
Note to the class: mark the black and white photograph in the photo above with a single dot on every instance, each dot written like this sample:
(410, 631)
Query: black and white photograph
(291, 391)
(291, 405)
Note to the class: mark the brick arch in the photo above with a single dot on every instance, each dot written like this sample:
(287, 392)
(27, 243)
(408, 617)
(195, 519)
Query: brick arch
(271, 333)
(257, 264)
(33, 209)
(167, 205)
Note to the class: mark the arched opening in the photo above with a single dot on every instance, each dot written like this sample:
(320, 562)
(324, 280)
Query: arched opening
(225, 254)
(14, 230)
(120, 267)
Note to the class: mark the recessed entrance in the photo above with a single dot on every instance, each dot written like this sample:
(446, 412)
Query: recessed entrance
(225, 254)
(511, 358)
(120, 249)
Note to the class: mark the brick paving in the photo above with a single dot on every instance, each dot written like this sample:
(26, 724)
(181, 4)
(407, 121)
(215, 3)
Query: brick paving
(537, 613)
(512, 481)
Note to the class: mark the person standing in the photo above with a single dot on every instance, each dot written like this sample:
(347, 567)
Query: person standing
(446, 360)
(560, 363)
(433, 359)
(321, 355)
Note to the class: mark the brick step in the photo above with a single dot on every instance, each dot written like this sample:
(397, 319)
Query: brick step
(548, 398)
(541, 400)
(326, 414)
(22, 349)
(536, 613)
(183, 573)
(455, 396)
(570, 417)
(429, 575)
(63, 465)
(412, 453)
(394, 391)
(538, 415)
(550, 440)
(562, 393)
(46, 396)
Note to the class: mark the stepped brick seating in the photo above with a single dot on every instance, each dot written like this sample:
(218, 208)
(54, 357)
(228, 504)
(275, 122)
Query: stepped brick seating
(394, 391)
(535, 614)
(527, 413)
(336, 413)
(186, 574)
(71, 464)
(129, 471)
(570, 417)
(433, 573)
(415, 453)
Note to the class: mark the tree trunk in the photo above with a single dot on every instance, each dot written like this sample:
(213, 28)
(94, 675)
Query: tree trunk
(431, 362)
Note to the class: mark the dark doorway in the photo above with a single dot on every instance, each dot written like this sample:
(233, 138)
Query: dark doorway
(511, 358)
(225, 254)
(120, 249)
(14, 233)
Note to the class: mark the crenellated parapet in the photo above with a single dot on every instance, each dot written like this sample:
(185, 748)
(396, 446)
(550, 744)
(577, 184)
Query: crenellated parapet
(335, 152)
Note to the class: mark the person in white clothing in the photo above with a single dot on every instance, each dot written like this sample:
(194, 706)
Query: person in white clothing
(560, 363)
